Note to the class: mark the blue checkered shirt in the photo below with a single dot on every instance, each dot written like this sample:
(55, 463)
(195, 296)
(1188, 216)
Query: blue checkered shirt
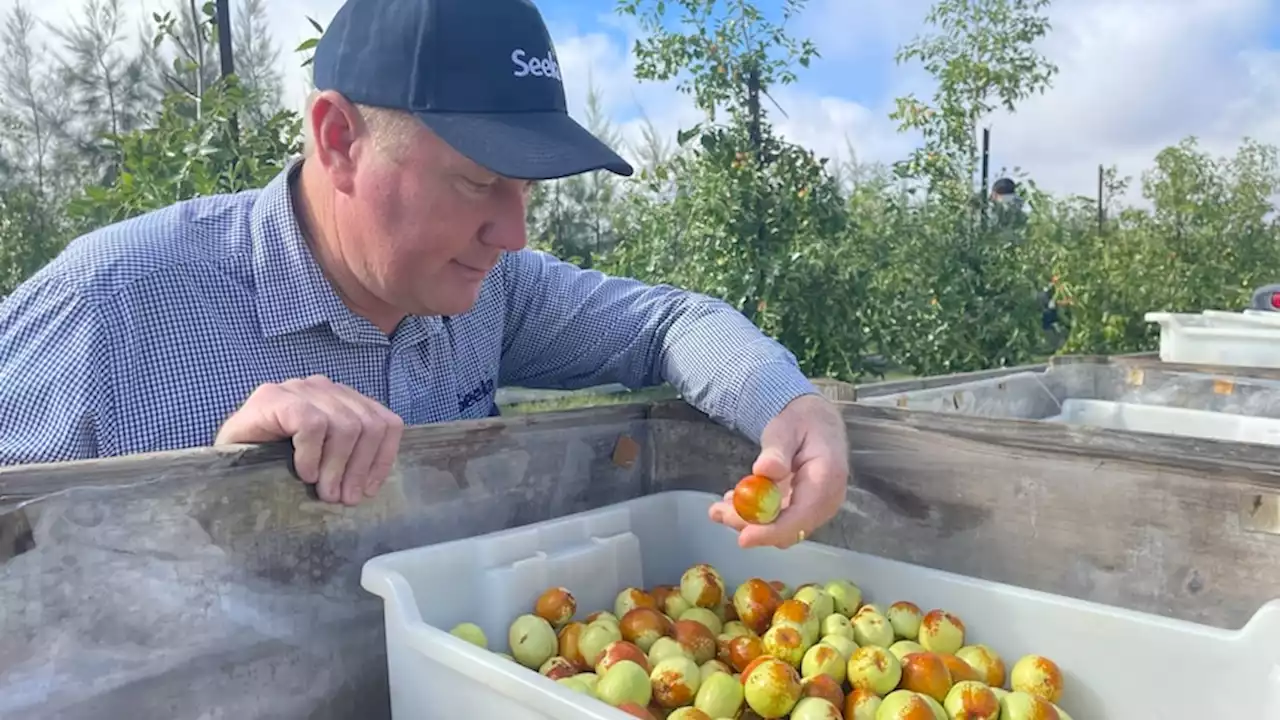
(147, 334)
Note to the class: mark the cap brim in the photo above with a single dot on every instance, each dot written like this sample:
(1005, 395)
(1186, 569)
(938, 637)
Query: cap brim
(526, 146)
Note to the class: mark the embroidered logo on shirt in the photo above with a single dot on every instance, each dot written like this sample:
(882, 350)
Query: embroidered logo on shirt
(475, 395)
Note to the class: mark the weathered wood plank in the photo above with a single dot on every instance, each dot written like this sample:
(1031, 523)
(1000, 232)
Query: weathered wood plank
(1085, 515)
(209, 584)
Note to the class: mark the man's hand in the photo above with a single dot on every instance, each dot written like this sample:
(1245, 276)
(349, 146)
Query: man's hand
(344, 443)
(804, 450)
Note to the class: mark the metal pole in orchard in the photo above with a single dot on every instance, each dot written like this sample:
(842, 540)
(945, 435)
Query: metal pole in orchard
(222, 13)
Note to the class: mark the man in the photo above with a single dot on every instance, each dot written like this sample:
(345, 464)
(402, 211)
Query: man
(383, 279)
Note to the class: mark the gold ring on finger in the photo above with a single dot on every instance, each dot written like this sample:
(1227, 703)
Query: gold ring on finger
(801, 536)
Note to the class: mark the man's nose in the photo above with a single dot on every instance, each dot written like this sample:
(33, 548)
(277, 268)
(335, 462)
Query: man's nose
(509, 229)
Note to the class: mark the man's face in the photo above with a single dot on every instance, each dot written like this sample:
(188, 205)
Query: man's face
(421, 230)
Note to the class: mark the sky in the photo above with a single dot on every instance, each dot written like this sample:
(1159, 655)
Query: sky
(1135, 76)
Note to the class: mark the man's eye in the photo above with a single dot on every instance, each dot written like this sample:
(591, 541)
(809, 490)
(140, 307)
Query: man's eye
(477, 186)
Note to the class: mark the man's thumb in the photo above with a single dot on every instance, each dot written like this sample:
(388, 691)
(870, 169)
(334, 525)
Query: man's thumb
(774, 461)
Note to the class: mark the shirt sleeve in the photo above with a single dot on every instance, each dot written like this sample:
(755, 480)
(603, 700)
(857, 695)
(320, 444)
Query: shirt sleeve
(54, 387)
(569, 328)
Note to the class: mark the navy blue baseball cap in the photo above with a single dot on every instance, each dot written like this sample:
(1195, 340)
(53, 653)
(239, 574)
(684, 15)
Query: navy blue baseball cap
(482, 74)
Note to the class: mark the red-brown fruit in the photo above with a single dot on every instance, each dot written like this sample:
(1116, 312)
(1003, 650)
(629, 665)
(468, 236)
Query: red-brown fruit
(556, 605)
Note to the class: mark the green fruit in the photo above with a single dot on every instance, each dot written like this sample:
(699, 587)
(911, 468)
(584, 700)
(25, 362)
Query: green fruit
(720, 696)
(624, 682)
(815, 708)
(532, 640)
(905, 647)
(837, 624)
(846, 596)
(845, 645)
(971, 700)
(713, 667)
(871, 628)
(820, 603)
(595, 638)
(1018, 705)
(905, 618)
(902, 704)
(666, 647)
(875, 669)
(938, 712)
(772, 688)
(735, 628)
(824, 660)
(704, 616)
(575, 683)
(471, 633)
(675, 681)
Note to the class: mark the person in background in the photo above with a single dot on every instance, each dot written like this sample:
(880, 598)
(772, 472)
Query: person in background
(383, 280)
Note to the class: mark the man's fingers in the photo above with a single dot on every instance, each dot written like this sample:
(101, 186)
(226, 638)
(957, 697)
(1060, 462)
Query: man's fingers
(385, 458)
(773, 463)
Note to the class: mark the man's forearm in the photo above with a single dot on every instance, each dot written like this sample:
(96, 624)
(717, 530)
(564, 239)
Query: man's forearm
(726, 367)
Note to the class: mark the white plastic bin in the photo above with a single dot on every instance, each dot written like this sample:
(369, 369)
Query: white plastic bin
(1117, 664)
(1200, 339)
(1164, 420)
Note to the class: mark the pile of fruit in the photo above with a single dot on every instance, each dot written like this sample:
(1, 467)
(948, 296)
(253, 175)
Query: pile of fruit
(699, 652)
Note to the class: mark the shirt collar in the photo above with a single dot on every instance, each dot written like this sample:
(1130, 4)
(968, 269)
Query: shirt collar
(292, 292)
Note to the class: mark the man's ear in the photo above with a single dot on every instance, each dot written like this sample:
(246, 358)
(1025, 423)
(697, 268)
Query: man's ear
(336, 125)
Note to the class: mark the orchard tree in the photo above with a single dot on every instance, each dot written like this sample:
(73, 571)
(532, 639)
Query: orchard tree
(950, 293)
(738, 212)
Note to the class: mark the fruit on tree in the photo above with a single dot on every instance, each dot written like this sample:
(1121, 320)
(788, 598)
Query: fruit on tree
(618, 651)
(873, 668)
(557, 667)
(755, 602)
(987, 662)
(675, 682)
(1037, 675)
(903, 647)
(701, 586)
(757, 499)
(823, 660)
(1019, 705)
(871, 628)
(595, 637)
(624, 682)
(845, 596)
(471, 633)
(905, 618)
(720, 696)
(861, 704)
(823, 686)
(815, 708)
(643, 626)
(926, 674)
(785, 643)
(971, 700)
(532, 640)
(704, 616)
(942, 632)
(771, 688)
(631, 598)
(555, 605)
(905, 705)
(820, 603)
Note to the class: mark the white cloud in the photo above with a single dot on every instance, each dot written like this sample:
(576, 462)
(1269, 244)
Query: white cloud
(1136, 76)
